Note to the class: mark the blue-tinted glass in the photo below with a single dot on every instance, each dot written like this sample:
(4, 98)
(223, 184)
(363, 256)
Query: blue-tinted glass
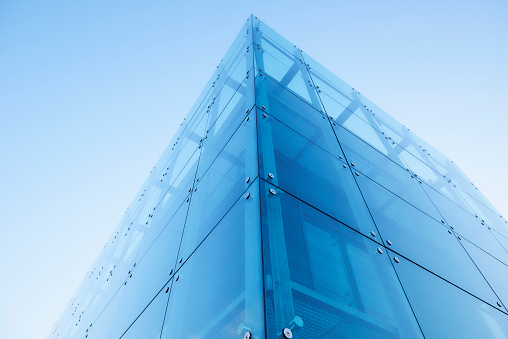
(467, 225)
(108, 297)
(101, 323)
(221, 185)
(336, 106)
(177, 186)
(329, 82)
(264, 35)
(389, 125)
(447, 190)
(268, 90)
(284, 67)
(308, 172)
(494, 271)
(502, 239)
(288, 72)
(236, 72)
(242, 40)
(365, 157)
(158, 220)
(324, 279)
(366, 132)
(149, 323)
(486, 215)
(444, 311)
(345, 187)
(219, 293)
(222, 130)
(385, 172)
(241, 100)
(311, 124)
(419, 167)
(150, 273)
(423, 240)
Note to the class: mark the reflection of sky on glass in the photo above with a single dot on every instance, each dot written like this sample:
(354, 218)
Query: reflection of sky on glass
(91, 92)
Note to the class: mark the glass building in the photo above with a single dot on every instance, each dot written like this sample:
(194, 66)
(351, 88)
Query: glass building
(290, 206)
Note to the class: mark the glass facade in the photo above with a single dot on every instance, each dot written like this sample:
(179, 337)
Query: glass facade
(290, 206)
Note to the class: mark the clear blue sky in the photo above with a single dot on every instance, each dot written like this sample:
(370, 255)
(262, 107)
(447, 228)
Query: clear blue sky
(92, 91)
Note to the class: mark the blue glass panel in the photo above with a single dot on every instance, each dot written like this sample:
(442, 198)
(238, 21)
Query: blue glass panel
(221, 185)
(486, 215)
(334, 106)
(364, 156)
(467, 225)
(310, 173)
(177, 186)
(223, 128)
(233, 76)
(267, 91)
(494, 271)
(324, 279)
(288, 72)
(103, 320)
(264, 36)
(385, 172)
(329, 82)
(242, 40)
(419, 167)
(502, 240)
(108, 297)
(423, 240)
(390, 126)
(284, 67)
(150, 273)
(219, 293)
(149, 323)
(310, 124)
(448, 191)
(373, 138)
(444, 311)
(158, 220)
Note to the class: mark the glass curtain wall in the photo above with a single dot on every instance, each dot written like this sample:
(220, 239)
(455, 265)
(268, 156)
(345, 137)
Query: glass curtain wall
(290, 206)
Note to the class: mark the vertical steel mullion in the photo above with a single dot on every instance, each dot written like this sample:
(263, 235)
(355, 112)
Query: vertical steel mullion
(279, 282)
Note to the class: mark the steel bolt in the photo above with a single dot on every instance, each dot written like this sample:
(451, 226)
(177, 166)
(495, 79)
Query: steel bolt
(247, 335)
(286, 333)
(271, 176)
(396, 259)
(272, 191)
(380, 250)
(389, 242)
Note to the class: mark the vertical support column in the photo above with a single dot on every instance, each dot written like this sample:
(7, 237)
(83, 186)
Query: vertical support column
(253, 257)
(278, 279)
